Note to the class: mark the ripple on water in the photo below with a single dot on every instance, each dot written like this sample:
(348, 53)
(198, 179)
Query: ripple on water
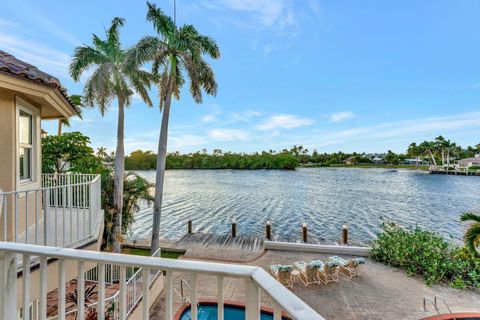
(323, 198)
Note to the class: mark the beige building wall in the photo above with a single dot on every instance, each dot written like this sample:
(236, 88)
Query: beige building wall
(10, 104)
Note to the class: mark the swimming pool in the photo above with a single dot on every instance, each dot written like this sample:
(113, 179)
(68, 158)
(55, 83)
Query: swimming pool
(209, 312)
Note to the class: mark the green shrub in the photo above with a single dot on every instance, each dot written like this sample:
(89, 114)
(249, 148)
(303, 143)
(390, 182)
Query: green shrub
(425, 253)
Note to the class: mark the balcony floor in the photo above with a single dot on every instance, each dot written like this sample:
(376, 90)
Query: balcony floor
(64, 227)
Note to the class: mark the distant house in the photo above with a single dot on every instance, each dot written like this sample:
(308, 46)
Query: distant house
(377, 158)
(350, 160)
(414, 161)
(469, 162)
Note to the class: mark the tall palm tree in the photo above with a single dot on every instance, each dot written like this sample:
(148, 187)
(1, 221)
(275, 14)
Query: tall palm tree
(113, 78)
(175, 53)
(77, 101)
(472, 235)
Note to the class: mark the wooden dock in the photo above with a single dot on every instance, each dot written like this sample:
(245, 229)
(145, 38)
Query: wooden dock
(454, 172)
(218, 241)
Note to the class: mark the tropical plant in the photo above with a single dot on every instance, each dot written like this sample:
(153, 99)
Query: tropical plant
(472, 235)
(113, 78)
(425, 253)
(175, 52)
(69, 152)
(135, 189)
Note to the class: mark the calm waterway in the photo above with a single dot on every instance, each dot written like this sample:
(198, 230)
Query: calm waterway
(324, 198)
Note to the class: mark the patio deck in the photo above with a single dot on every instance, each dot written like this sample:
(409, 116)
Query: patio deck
(381, 292)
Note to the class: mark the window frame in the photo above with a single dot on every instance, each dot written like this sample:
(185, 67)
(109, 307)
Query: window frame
(33, 112)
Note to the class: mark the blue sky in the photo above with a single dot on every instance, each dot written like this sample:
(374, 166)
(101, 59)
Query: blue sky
(330, 75)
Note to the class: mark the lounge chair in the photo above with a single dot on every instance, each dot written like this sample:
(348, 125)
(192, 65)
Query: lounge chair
(310, 272)
(331, 271)
(348, 268)
(283, 274)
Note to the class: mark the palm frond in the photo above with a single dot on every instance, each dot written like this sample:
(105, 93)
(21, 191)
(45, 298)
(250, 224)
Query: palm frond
(472, 239)
(113, 33)
(83, 58)
(470, 216)
(162, 23)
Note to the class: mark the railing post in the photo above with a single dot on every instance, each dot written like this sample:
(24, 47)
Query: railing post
(194, 306)
(46, 216)
(220, 301)
(146, 294)
(252, 306)
(8, 285)
(43, 289)
(234, 228)
(168, 295)
(268, 230)
(189, 227)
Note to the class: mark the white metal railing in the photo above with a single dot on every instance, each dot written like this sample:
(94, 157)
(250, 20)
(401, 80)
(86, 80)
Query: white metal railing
(256, 279)
(62, 211)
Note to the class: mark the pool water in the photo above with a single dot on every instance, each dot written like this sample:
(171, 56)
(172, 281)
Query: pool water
(207, 312)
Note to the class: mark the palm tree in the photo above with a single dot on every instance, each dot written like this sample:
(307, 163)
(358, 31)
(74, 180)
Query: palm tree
(472, 235)
(102, 152)
(77, 101)
(428, 147)
(174, 52)
(113, 78)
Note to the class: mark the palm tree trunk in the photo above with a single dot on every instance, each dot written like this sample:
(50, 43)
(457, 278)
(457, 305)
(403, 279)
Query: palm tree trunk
(161, 162)
(160, 175)
(433, 158)
(59, 127)
(118, 179)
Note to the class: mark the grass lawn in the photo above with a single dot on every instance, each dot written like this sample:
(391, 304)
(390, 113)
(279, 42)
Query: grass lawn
(146, 252)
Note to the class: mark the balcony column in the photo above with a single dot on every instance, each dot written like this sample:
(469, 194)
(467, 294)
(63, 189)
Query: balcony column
(8, 286)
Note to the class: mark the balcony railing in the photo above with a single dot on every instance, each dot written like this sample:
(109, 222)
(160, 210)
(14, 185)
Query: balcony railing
(62, 212)
(257, 282)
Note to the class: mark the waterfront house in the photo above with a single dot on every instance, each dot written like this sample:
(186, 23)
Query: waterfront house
(51, 227)
(350, 161)
(469, 162)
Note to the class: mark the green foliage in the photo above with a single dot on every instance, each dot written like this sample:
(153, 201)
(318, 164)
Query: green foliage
(472, 234)
(425, 253)
(139, 160)
(135, 188)
(69, 152)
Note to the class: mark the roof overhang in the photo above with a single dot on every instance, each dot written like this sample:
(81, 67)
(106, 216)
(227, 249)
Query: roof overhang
(53, 103)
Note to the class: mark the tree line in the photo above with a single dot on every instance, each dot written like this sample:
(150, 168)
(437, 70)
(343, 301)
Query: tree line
(438, 151)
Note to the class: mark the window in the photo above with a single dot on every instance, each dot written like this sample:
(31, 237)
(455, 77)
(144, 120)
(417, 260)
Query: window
(25, 145)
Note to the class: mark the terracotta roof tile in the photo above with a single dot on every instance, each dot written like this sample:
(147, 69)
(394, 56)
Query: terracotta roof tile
(11, 65)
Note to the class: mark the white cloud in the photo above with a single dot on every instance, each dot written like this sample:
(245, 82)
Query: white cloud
(284, 121)
(186, 140)
(208, 118)
(341, 116)
(412, 130)
(228, 134)
(45, 58)
(244, 116)
(268, 12)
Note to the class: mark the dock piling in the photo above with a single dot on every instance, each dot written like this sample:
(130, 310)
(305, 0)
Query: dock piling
(234, 229)
(345, 234)
(304, 232)
(189, 227)
(268, 230)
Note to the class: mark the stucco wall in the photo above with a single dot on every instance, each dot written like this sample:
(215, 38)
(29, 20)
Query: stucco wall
(7, 141)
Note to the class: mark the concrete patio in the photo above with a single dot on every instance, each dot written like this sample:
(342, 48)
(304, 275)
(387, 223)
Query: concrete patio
(381, 292)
